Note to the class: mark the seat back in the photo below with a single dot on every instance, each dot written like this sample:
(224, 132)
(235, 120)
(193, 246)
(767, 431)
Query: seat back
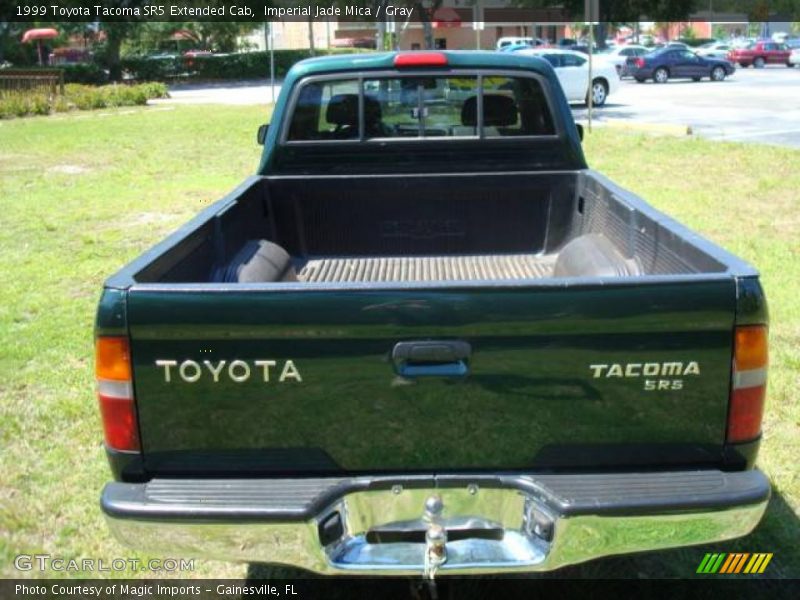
(342, 112)
(499, 110)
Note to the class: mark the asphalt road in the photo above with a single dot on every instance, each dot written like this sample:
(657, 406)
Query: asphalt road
(753, 105)
(249, 92)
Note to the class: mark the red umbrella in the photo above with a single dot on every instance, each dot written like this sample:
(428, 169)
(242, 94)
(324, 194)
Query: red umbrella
(446, 17)
(37, 35)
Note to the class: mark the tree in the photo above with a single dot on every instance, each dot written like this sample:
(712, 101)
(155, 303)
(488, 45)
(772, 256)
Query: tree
(220, 36)
(10, 48)
(425, 9)
(662, 29)
(613, 12)
(11, 32)
(116, 33)
(621, 11)
(376, 7)
(761, 10)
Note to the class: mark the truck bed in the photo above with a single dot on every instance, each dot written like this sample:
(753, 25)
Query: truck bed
(464, 228)
(473, 267)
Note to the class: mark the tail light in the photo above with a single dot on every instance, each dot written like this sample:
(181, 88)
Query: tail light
(420, 59)
(639, 62)
(115, 393)
(749, 385)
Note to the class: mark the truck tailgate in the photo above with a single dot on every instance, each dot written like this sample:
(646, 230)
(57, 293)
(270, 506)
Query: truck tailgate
(233, 380)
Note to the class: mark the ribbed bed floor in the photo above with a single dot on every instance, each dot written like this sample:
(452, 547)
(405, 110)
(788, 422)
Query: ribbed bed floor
(428, 268)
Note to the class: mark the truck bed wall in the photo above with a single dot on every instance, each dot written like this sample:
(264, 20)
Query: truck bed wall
(426, 215)
(660, 245)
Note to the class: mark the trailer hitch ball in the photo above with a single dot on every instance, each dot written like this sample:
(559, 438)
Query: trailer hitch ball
(433, 508)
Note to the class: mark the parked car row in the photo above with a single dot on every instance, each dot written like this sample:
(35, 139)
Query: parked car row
(714, 50)
(572, 70)
(506, 43)
(760, 54)
(676, 63)
(618, 55)
(675, 60)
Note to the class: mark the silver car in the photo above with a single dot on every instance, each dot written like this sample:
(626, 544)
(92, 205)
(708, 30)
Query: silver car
(714, 50)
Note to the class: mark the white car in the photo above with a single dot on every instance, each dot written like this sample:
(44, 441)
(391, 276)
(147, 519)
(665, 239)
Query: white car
(504, 42)
(572, 69)
(714, 50)
(794, 57)
(617, 56)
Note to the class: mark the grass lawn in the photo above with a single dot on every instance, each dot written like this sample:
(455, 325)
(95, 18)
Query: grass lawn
(80, 195)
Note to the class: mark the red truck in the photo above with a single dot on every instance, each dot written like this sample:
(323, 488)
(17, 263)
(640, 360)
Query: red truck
(760, 54)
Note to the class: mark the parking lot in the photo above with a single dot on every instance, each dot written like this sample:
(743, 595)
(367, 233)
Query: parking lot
(753, 105)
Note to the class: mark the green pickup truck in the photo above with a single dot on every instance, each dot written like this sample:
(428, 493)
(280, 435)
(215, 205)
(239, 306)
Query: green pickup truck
(426, 338)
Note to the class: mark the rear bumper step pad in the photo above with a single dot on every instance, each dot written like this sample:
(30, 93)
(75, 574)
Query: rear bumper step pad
(301, 499)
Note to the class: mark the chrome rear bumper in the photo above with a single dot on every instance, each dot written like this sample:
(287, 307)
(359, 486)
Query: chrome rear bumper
(384, 525)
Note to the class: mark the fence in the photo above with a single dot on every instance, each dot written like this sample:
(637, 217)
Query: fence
(32, 81)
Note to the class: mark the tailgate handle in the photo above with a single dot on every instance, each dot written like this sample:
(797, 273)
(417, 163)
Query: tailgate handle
(432, 358)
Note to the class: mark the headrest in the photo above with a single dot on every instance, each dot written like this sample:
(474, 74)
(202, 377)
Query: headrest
(498, 111)
(342, 109)
(372, 109)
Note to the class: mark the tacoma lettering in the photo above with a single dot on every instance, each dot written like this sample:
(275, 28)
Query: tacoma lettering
(650, 369)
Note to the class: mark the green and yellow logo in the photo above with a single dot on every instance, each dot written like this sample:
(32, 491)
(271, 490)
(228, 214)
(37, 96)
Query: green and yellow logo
(736, 562)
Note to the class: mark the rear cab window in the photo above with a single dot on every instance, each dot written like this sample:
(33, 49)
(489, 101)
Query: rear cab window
(553, 59)
(403, 107)
(571, 60)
